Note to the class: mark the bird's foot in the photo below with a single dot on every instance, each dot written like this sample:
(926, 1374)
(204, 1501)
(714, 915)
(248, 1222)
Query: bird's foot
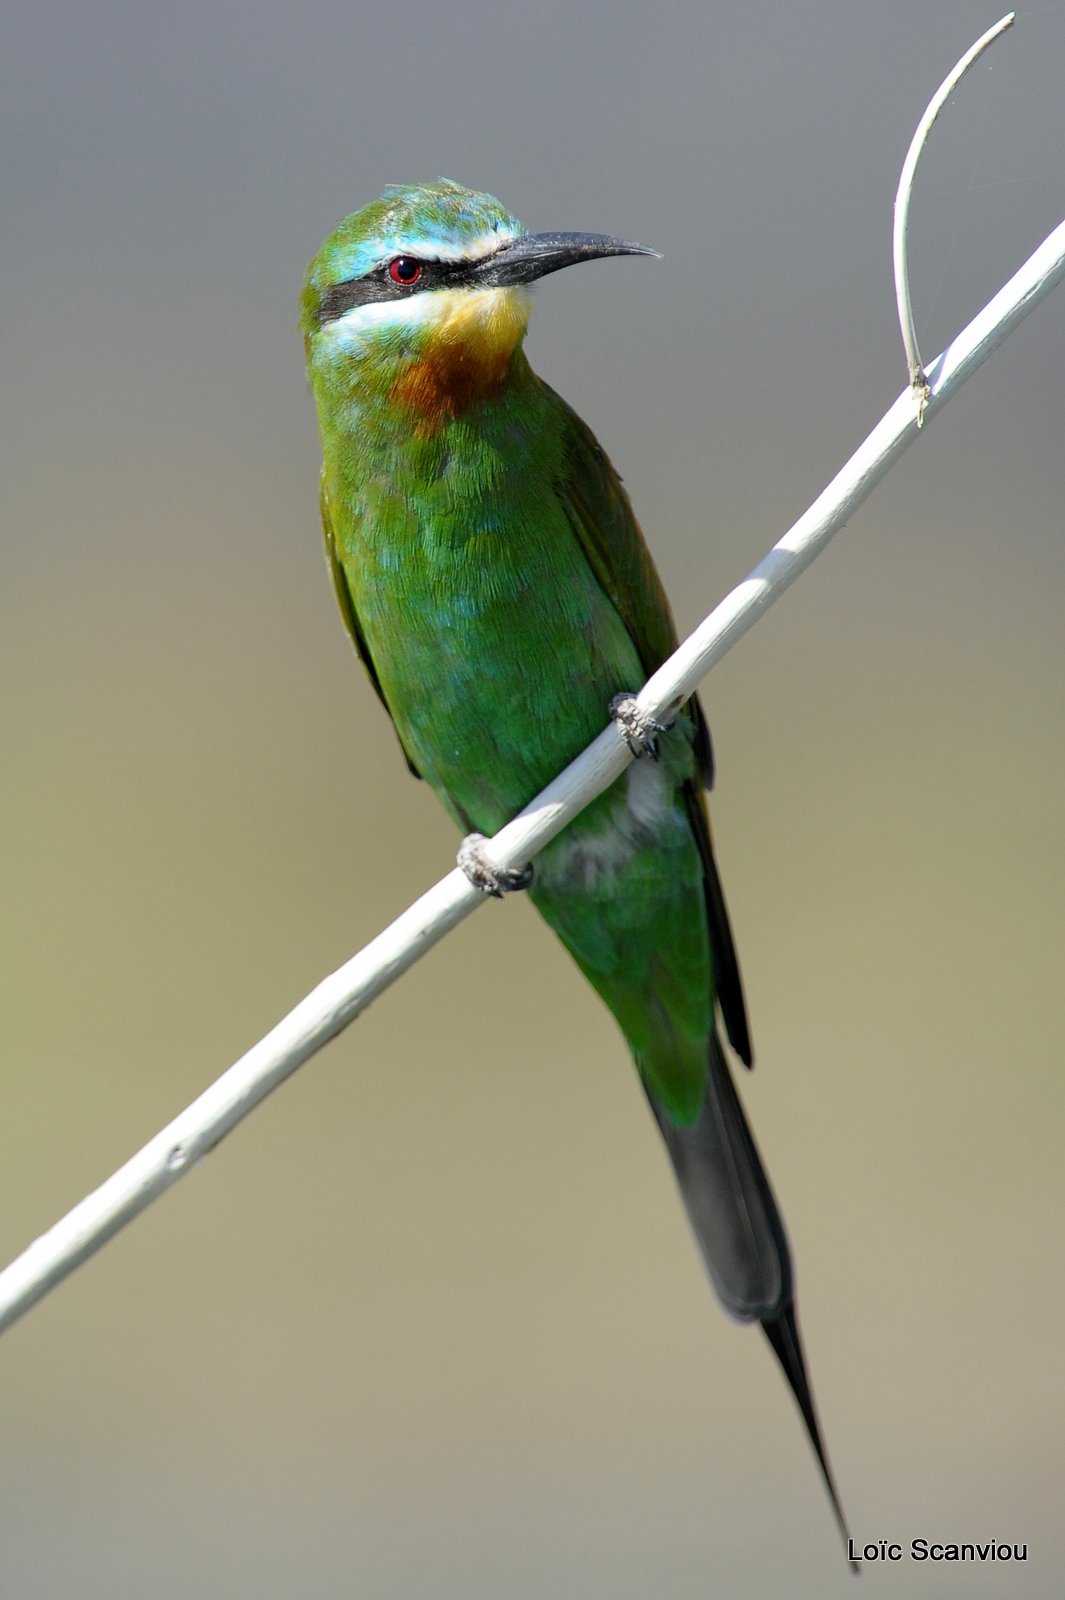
(485, 875)
(639, 731)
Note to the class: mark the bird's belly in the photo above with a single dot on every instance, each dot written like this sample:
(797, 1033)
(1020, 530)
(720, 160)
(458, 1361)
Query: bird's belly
(595, 850)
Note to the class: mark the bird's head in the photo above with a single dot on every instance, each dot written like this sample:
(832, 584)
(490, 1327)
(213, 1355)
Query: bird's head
(423, 296)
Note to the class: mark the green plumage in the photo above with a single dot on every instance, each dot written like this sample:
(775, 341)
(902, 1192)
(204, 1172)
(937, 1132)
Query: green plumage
(498, 590)
(495, 581)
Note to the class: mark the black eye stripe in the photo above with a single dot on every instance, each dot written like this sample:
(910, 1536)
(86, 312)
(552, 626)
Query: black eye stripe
(378, 284)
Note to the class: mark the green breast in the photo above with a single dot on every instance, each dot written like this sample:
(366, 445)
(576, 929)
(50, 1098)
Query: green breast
(497, 651)
(495, 647)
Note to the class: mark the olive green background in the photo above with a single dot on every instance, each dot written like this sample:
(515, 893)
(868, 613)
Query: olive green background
(430, 1323)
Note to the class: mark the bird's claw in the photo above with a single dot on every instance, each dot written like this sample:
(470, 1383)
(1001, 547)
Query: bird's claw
(639, 731)
(485, 875)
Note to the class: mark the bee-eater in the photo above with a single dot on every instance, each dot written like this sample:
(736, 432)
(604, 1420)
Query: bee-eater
(498, 589)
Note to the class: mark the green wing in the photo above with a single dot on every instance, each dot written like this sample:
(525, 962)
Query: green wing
(351, 619)
(604, 522)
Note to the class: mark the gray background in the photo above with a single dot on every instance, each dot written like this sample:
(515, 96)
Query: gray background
(431, 1324)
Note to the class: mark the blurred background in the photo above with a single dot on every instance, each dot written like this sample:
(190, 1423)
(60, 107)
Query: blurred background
(431, 1323)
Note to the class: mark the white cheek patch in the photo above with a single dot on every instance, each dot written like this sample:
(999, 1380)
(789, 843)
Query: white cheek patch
(456, 314)
(352, 329)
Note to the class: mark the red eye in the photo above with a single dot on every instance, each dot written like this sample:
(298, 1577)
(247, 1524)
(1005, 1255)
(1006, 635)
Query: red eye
(405, 270)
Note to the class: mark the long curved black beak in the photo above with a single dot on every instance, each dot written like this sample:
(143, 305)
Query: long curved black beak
(534, 255)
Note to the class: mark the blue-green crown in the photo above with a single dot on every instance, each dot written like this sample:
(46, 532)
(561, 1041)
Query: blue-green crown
(441, 220)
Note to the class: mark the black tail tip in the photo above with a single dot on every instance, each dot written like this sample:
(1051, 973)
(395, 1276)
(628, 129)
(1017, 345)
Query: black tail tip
(782, 1331)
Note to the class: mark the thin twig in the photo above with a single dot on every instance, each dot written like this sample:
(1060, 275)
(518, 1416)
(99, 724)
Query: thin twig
(900, 242)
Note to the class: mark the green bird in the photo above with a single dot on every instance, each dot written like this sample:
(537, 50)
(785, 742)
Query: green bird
(499, 592)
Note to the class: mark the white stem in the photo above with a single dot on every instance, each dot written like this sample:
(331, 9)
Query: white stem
(900, 240)
(340, 997)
